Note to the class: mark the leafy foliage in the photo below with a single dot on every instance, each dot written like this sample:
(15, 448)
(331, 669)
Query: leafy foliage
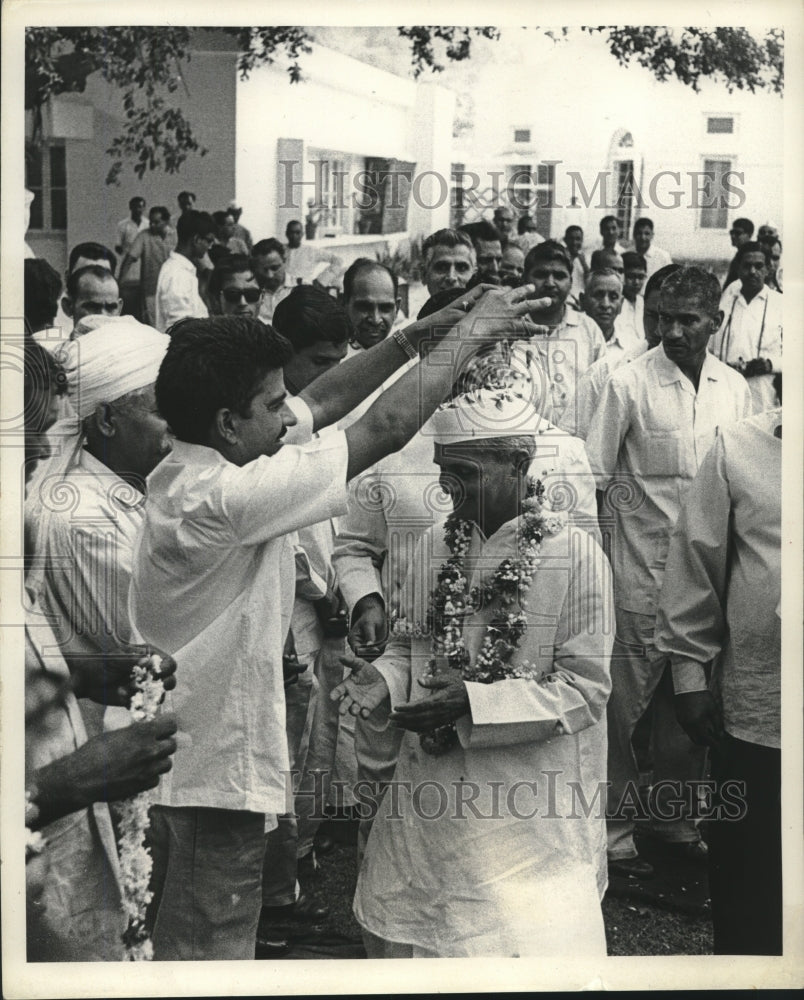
(146, 65)
(457, 43)
(732, 56)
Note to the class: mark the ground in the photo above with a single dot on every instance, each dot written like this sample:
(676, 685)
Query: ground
(667, 916)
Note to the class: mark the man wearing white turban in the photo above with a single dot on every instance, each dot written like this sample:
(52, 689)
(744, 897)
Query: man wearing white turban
(490, 840)
(85, 505)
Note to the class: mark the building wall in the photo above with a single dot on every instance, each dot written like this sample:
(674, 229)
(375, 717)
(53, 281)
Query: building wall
(574, 97)
(89, 122)
(343, 108)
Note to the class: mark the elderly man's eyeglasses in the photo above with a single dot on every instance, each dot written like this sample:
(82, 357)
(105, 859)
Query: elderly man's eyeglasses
(233, 295)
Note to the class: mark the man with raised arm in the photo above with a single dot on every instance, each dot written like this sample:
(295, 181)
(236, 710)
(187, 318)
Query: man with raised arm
(217, 549)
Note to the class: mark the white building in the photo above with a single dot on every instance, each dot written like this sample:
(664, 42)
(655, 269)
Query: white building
(272, 145)
(563, 127)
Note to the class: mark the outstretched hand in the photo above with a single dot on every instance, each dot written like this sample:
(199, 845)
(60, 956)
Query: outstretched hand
(362, 691)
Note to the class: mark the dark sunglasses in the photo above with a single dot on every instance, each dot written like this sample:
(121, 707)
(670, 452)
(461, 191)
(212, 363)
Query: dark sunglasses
(233, 295)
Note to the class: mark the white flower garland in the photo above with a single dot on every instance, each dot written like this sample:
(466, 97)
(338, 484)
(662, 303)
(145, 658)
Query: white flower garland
(135, 858)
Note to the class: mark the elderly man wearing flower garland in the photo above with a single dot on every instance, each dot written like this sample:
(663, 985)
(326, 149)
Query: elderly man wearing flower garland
(498, 673)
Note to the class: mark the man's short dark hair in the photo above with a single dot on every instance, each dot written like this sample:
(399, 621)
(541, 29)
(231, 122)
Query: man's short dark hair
(744, 225)
(598, 258)
(212, 364)
(481, 230)
(136, 201)
(220, 217)
(42, 290)
(522, 223)
(609, 218)
(633, 260)
(358, 267)
(96, 270)
(450, 238)
(92, 251)
(270, 245)
(193, 224)
(643, 223)
(308, 315)
(573, 229)
(754, 247)
(43, 377)
(293, 222)
(184, 195)
(658, 278)
(161, 211)
(227, 267)
(549, 250)
(695, 282)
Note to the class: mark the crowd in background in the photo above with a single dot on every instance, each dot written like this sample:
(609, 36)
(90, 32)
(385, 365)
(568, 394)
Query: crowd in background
(246, 427)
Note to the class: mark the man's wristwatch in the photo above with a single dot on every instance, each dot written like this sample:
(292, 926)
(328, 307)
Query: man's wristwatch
(405, 344)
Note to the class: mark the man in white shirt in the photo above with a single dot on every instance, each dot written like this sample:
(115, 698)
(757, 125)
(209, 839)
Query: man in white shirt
(272, 276)
(309, 264)
(84, 548)
(449, 260)
(217, 550)
(590, 384)
(610, 234)
(91, 291)
(602, 301)
(574, 340)
(177, 294)
(750, 337)
(573, 240)
(655, 257)
(127, 231)
(629, 324)
(656, 419)
(371, 301)
(721, 607)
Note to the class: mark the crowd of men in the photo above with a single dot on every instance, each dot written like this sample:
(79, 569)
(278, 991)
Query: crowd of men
(239, 459)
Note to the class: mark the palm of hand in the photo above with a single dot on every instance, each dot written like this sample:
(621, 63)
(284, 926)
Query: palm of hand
(362, 691)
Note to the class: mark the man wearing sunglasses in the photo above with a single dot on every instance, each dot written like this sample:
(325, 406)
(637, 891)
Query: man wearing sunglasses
(233, 288)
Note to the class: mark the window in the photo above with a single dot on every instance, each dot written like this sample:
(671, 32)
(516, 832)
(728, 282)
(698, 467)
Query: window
(714, 204)
(519, 184)
(457, 204)
(626, 195)
(720, 126)
(521, 135)
(46, 177)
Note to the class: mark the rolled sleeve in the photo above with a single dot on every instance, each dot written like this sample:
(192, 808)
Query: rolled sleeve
(361, 541)
(688, 676)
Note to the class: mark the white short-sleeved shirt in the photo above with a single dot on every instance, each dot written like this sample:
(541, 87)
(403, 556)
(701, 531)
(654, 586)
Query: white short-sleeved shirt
(751, 330)
(213, 583)
(177, 295)
(650, 432)
(564, 356)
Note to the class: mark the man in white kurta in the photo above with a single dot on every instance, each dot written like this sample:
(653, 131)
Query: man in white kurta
(86, 503)
(750, 336)
(497, 846)
(649, 434)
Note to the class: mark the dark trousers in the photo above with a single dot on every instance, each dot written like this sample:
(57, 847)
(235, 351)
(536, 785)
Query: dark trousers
(745, 854)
